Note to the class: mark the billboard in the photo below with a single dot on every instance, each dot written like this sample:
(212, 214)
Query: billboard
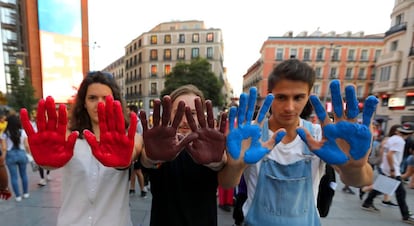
(60, 31)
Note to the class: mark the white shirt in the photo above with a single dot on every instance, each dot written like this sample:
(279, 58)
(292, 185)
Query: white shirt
(93, 194)
(394, 143)
(285, 154)
(9, 142)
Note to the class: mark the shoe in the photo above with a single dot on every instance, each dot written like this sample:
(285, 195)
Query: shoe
(226, 208)
(42, 182)
(131, 191)
(409, 220)
(371, 208)
(143, 194)
(361, 194)
(389, 204)
(348, 190)
(18, 199)
(48, 177)
(26, 195)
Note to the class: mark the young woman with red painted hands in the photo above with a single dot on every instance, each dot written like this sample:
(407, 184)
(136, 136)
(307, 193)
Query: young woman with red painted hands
(182, 156)
(92, 153)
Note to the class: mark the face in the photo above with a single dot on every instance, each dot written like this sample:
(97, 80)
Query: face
(290, 100)
(188, 99)
(96, 93)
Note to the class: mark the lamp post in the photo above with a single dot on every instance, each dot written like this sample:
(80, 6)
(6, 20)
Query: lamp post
(328, 76)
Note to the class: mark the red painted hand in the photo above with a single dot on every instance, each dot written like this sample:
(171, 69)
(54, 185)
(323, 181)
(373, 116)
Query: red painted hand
(49, 146)
(115, 147)
(161, 141)
(5, 194)
(211, 142)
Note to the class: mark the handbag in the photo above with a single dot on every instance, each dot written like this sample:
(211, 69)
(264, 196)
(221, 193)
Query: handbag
(33, 164)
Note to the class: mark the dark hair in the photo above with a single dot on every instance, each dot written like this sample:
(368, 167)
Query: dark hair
(13, 130)
(80, 119)
(187, 89)
(291, 69)
(133, 107)
(393, 130)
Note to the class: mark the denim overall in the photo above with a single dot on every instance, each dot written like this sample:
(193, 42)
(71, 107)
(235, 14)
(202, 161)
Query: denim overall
(284, 193)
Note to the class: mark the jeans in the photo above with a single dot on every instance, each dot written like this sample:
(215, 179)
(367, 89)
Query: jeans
(16, 160)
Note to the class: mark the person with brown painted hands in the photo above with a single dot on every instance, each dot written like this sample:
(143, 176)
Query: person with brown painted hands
(182, 157)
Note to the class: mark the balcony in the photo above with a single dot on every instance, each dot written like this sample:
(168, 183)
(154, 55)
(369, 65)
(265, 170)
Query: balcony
(408, 82)
(396, 28)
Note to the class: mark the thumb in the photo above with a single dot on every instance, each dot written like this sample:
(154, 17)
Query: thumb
(90, 138)
(186, 140)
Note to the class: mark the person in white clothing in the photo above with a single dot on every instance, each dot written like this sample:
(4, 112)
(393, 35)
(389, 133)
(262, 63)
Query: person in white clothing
(94, 153)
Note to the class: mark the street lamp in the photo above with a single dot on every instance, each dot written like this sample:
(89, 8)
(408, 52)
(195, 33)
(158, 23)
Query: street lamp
(329, 70)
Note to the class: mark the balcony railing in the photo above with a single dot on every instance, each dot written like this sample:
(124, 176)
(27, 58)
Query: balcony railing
(408, 82)
(396, 28)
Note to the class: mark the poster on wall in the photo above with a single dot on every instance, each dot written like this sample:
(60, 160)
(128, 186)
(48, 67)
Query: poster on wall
(60, 29)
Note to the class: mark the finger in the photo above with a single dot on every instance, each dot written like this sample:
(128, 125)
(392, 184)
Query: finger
(110, 115)
(41, 116)
(337, 103)
(186, 140)
(190, 119)
(241, 113)
(91, 139)
(179, 114)
(319, 109)
(27, 126)
(132, 126)
(232, 117)
(302, 134)
(166, 110)
(200, 113)
(352, 109)
(210, 114)
(280, 133)
(70, 144)
(102, 118)
(119, 119)
(143, 119)
(370, 107)
(251, 104)
(223, 122)
(62, 120)
(51, 114)
(156, 113)
(265, 108)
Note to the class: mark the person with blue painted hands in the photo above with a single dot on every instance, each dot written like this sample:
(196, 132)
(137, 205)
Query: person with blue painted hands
(282, 157)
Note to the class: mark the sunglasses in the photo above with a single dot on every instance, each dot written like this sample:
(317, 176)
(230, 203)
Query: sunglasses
(105, 73)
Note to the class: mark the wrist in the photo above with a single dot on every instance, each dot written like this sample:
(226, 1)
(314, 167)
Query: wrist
(392, 170)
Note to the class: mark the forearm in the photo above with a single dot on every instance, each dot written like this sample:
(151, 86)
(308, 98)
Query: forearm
(4, 180)
(229, 176)
(355, 176)
(390, 160)
(147, 162)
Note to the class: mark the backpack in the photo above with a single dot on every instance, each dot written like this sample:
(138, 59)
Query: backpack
(375, 157)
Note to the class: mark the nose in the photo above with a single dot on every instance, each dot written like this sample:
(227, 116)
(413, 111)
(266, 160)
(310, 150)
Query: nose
(290, 105)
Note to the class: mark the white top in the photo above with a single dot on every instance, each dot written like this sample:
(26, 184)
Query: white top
(394, 143)
(285, 154)
(9, 142)
(93, 194)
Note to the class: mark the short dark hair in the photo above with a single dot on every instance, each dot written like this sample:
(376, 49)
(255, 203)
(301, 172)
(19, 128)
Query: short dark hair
(291, 69)
(133, 107)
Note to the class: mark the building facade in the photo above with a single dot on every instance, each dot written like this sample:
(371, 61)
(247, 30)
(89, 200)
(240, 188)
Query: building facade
(394, 84)
(349, 57)
(150, 58)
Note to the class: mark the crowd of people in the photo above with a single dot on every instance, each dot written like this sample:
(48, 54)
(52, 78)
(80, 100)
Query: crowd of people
(248, 156)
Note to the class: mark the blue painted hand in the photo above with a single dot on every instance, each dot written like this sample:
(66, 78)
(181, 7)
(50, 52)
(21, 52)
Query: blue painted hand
(248, 130)
(357, 136)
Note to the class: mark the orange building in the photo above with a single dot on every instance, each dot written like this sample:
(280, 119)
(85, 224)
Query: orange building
(348, 57)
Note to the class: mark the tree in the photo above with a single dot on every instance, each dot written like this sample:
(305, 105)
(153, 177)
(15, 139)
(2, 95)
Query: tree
(22, 91)
(197, 73)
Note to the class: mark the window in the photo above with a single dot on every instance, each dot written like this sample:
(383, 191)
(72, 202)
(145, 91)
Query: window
(364, 55)
(210, 37)
(399, 19)
(384, 101)
(140, 89)
(139, 58)
(409, 101)
(361, 74)
(151, 105)
(316, 89)
(209, 52)
(293, 53)
(385, 74)
(196, 38)
(139, 43)
(351, 54)
(318, 73)
(167, 54)
(335, 55)
(167, 69)
(181, 38)
(195, 52)
(394, 45)
(359, 91)
(181, 54)
(333, 72)
(306, 55)
(279, 54)
(154, 70)
(153, 39)
(153, 54)
(167, 39)
(377, 54)
(153, 88)
(348, 74)
(319, 54)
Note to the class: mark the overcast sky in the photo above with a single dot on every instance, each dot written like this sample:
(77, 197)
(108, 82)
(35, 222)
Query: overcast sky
(245, 24)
